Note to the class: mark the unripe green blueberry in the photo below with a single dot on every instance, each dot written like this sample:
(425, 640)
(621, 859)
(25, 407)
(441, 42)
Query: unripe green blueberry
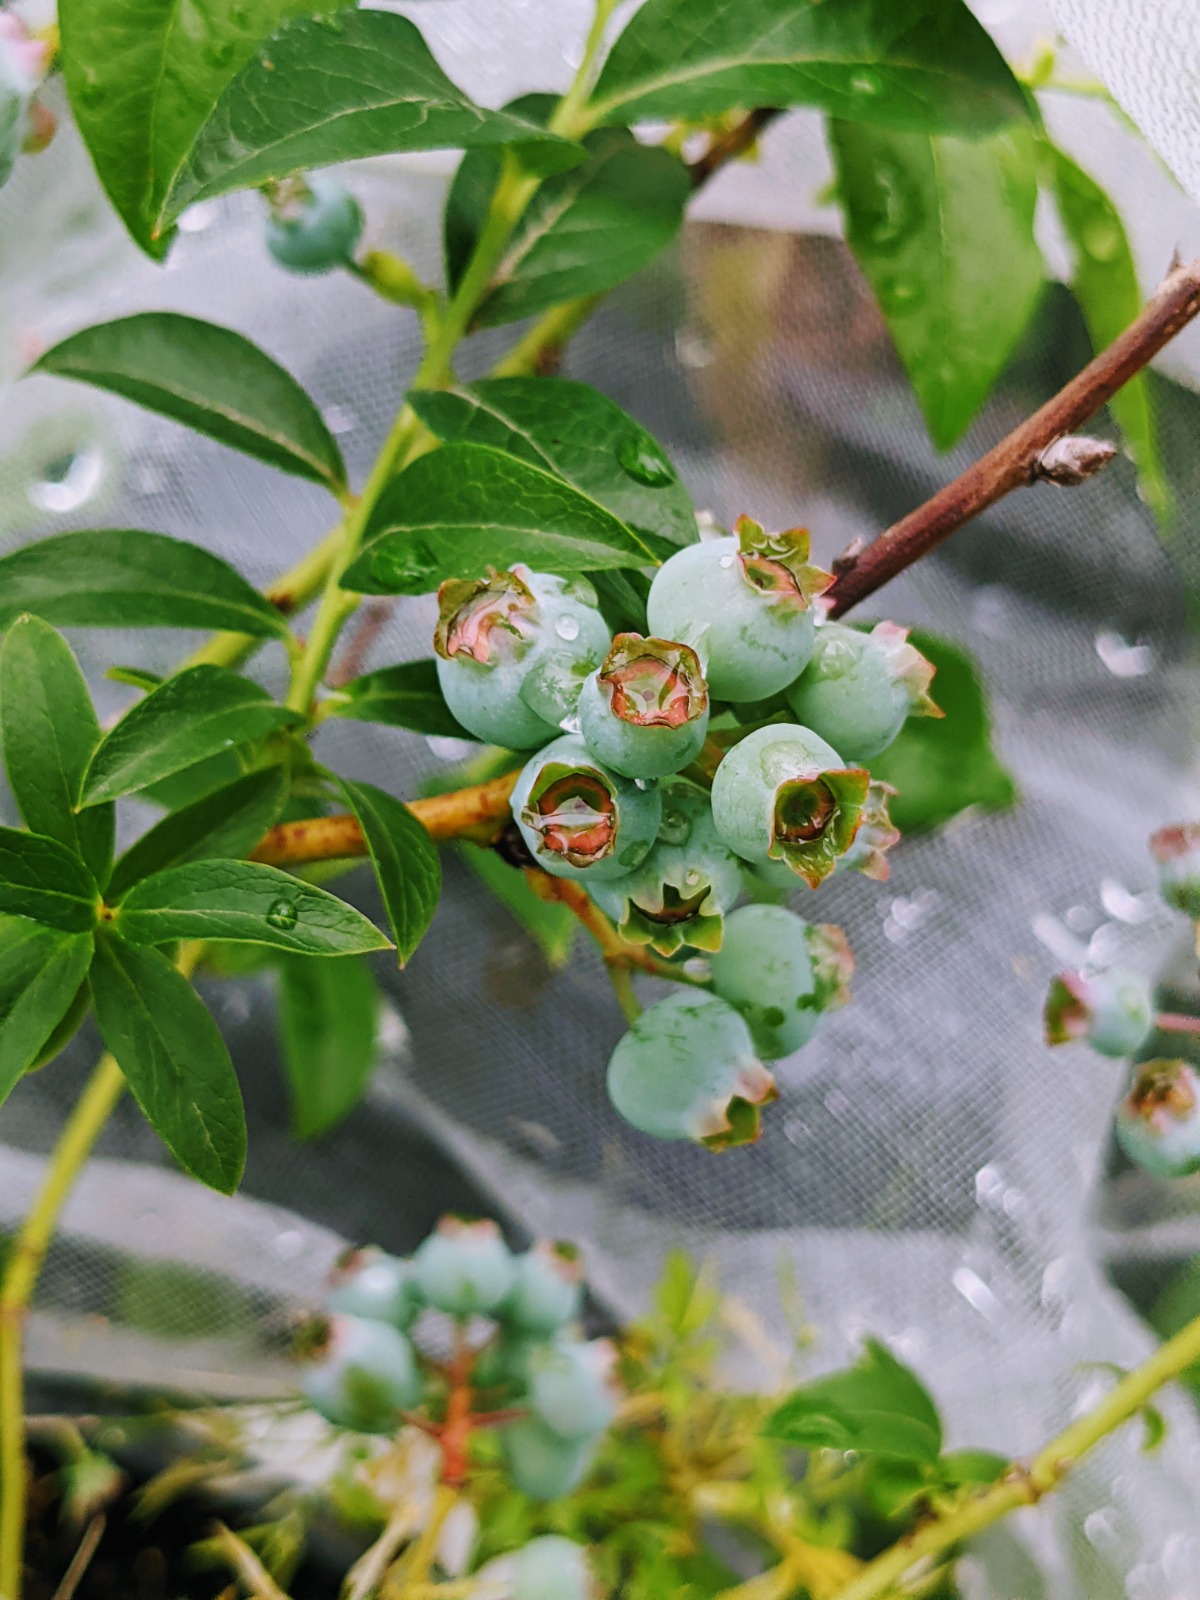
(744, 604)
(464, 1267)
(573, 1387)
(783, 794)
(875, 837)
(644, 711)
(687, 1070)
(1113, 1011)
(358, 1373)
(578, 818)
(370, 1283)
(680, 893)
(781, 974)
(1177, 851)
(1158, 1122)
(552, 1568)
(513, 650)
(547, 1288)
(313, 224)
(541, 1463)
(859, 688)
(503, 1363)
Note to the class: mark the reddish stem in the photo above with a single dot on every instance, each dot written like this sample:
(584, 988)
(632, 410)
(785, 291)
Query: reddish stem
(1176, 1022)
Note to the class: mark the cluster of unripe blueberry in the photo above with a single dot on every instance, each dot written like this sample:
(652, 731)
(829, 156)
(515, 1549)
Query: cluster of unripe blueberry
(26, 124)
(619, 795)
(1158, 1120)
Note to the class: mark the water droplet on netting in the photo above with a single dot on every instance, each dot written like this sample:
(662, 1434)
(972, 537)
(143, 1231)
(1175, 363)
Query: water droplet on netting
(340, 419)
(1102, 240)
(693, 350)
(283, 915)
(67, 481)
(1080, 919)
(725, 561)
(642, 460)
(289, 1243)
(200, 217)
(975, 1292)
(405, 567)
(446, 748)
(837, 1104)
(1122, 658)
(866, 83)
(1125, 906)
(566, 627)
(988, 1184)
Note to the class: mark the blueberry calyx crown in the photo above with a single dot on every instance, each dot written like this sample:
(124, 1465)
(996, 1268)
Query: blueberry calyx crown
(739, 1121)
(907, 667)
(574, 812)
(1069, 1008)
(814, 819)
(833, 965)
(654, 683)
(776, 565)
(1164, 1091)
(483, 618)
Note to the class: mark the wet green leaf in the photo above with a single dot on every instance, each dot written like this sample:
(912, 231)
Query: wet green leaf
(877, 1407)
(328, 1018)
(404, 696)
(41, 970)
(405, 859)
(42, 879)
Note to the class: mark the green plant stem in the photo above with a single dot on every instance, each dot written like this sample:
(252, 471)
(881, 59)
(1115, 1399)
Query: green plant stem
(570, 116)
(544, 343)
(622, 983)
(27, 1253)
(1025, 1485)
(417, 1563)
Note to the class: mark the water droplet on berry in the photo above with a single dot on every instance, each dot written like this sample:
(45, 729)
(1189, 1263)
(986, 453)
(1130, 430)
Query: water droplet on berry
(283, 915)
(1124, 660)
(691, 877)
(643, 461)
(725, 561)
(566, 627)
(675, 827)
(697, 967)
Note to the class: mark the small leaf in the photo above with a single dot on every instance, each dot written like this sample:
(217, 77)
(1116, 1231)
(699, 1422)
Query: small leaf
(474, 184)
(575, 431)
(405, 696)
(322, 91)
(924, 64)
(49, 730)
(125, 578)
(892, 1487)
(943, 230)
(42, 879)
(246, 902)
(208, 378)
(1155, 1428)
(465, 507)
(41, 970)
(405, 859)
(550, 924)
(877, 1407)
(229, 822)
(174, 1059)
(328, 1020)
(940, 766)
(199, 713)
(964, 1468)
(1106, 285)
(589, 229)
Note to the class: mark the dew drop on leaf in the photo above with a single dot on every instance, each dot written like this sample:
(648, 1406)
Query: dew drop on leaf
(866, 83)
(642, 460)
(283, 915)
(404, 567)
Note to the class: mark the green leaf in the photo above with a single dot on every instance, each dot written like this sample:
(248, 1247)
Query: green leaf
(174, 1059)
(575, 431)
(144, 75)
(41, 970)
(328, 1020)
(943, 230)
(199, 713)
(917, 64)
(125, 578)
(209, 378)
(405, 696)
(405, 859)
(466, 507)
(589, 229)
(942, 766)
(877, 1407)
(1106, 287)
(964, 1468)
(42, 879)
(474, 184)
(49, 730)
(245, 902)
(551, 925)
(229, 822)
(325, 90)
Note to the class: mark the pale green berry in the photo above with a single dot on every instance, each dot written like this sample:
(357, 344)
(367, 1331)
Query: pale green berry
(1112, 1011)
(358, 1373)
(464, 1267)
(513, 650)
(858, 689)
(687, 1070)
(552, 1568)
(547, 1288)
(573, 1388)
(578, 819)
(313, 224)
(783, 794)
(1158, 1122)
(781, 974)
(541, 1463)
(744, 604)
(680, 893)
(1177, 851)
(644, 712)
(370, 1283)
(503, 1363)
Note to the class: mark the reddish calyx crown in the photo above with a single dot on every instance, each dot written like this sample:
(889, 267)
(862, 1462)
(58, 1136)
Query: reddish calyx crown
(776, 565)
(484, 618)
(654, 683)
(574, 811)
(815, 819)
